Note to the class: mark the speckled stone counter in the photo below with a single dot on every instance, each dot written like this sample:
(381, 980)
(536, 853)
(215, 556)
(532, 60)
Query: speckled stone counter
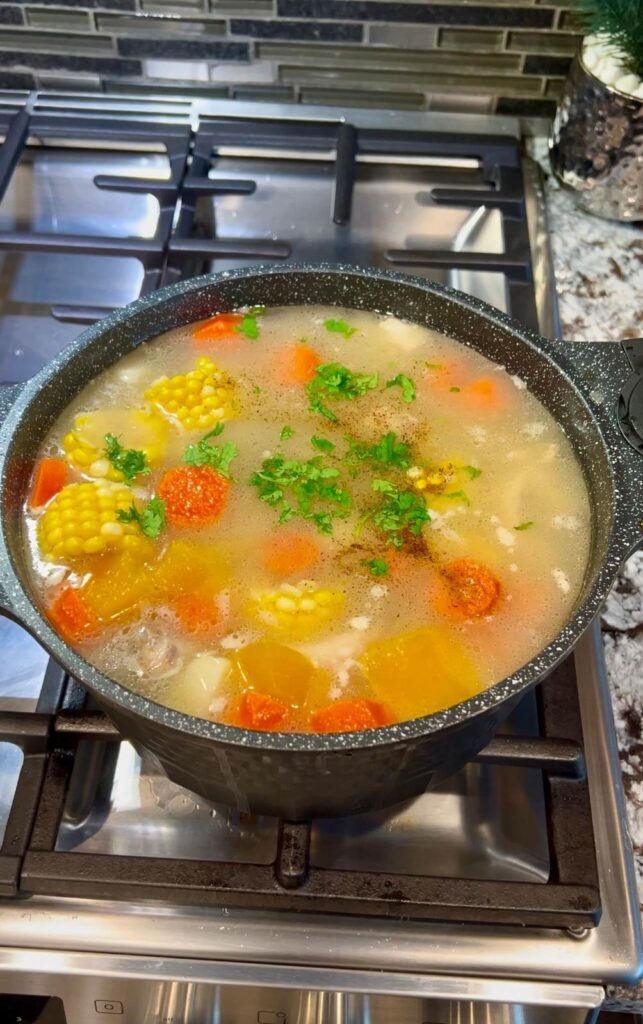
(599, 277)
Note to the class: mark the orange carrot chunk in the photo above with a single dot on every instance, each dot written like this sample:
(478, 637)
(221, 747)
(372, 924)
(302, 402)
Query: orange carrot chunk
(349, 716)
(473, 590)
(193, 495)
(256, 710)
(296, 364)
(49, 478)
(196, 615)
(487, 394)
(70, 616)
(287, 551)
(218, 328)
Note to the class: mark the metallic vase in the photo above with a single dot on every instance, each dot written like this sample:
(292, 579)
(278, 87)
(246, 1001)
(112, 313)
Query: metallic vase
(597, 146)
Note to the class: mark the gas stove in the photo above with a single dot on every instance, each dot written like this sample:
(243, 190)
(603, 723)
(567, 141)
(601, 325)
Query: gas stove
(504, 895)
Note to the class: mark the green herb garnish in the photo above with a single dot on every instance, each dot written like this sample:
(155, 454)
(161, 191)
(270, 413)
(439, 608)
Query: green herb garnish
(454, 389)
(376, 566)
(256, 389)
(340, 327)
(256, 310)
(249, 325)
(388, 452)
(322, 445)
(129, 461)
(151, 520)
(434, 366)
(472, 471)
(286, 433)
(407, 385)
(399, 513)
(333, 382)
(524, 526)
(216, 456)
(307, 489)
(458, 496)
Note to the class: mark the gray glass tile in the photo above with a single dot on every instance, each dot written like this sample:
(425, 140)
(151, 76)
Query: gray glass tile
(251, 7)
(422, 13)
(11, 14)
(16, 80)
(388, 57)
(544, 42)
(183, 49)
(541, 65)
(555, 89)
(51, 42)
(279, 29)
(525, 107)
(470, 39)
(380, 80)
(54, 17)
(265, 93)
(355, 98)
(408, 36)
(70, 62)
(148, 25)
(106, 5)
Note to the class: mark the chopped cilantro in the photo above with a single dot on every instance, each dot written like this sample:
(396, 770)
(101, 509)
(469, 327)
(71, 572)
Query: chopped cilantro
(216, 456)
(256, 389)
(129, 461)
(256, 310)
(407, 385)
(457, 496)
(376, 566)
(286, 433)
(387, 452)
(472, 471)
(151, 520)
(524, 526)
(302, 341)
(333, 382)
(321, 444)
(249, 325)
(340, 327)
(434, 366)
(307, 489)
(454, 389)
(400, 512)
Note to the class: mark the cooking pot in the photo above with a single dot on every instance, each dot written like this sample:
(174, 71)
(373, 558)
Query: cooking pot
(593, 391)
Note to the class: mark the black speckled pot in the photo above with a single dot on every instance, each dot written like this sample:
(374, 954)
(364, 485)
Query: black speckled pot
(299, 776)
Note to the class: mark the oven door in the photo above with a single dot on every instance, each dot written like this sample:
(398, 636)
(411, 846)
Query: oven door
(105, 998)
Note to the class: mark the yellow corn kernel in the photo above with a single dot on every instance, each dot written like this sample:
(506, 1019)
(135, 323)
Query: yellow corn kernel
(84, 445)
(433, 479)
(197, 399)
(296, 611)
(82, 520)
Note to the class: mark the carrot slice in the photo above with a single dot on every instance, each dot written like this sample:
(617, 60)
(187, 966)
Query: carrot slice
(196, 615)
(49, 478)
(472, 590)
(218, 328)
(70, 616)
(288, 551)
(349, 716)
(193, 495)
(486, 394)
(256, 710)
(296, 364)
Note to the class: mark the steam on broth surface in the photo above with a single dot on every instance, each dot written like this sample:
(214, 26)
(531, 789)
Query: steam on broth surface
(307, 518)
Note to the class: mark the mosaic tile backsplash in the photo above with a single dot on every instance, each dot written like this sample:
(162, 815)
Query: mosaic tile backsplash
(500, 56)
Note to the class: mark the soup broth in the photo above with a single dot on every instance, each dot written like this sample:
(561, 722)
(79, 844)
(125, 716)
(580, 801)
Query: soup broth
(307, 519)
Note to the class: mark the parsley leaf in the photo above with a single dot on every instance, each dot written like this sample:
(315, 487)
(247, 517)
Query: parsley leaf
(321, 444)
(249, 325)
(216, 456)
(472, 471)
(407, 385)
(454, 389)
(376, 566)
(434, 366)
(399, 513)
(308, 489)
(256, 390)
(151, 520)
(129, 461)
(524, 526)
(333, 382)
(286, 433)
(387, 452)
(457, 495)
(340, 327)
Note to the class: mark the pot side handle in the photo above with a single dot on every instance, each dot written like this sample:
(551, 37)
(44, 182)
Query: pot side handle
(8, 396)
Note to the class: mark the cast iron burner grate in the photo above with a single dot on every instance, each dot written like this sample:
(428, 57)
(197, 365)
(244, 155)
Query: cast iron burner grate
(30, 864)
(49, 737)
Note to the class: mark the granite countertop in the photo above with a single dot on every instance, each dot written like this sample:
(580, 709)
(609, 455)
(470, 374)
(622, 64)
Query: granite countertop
(599, 277)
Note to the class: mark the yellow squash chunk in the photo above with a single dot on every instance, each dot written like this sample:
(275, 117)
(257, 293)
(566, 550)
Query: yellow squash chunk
(420, 672)
(120, 585)
(274, 669)
(199, 399)
(190, 568)
(296, 611)
(84, 445)
(82, 520)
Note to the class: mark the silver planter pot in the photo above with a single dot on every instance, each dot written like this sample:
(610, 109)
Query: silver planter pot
(597, 146)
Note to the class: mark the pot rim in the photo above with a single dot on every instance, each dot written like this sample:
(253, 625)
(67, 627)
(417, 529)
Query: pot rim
(29, 615)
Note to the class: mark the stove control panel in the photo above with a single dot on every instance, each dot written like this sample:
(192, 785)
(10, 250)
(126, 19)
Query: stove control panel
(83, 1000)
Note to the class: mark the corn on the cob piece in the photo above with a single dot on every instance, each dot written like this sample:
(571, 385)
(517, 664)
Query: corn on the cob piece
(296, 611)
(432, 479)
(135, 428)
(82, 520)
(199, 399)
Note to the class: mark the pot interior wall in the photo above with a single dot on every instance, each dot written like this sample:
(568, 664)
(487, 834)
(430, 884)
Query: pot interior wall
(107, 342)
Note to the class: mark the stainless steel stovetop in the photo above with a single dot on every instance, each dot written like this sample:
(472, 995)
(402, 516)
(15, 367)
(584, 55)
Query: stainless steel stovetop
(150, 962)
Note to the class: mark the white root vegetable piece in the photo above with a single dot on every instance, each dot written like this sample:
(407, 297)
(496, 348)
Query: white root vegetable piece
(406, 336)
(194, 689)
